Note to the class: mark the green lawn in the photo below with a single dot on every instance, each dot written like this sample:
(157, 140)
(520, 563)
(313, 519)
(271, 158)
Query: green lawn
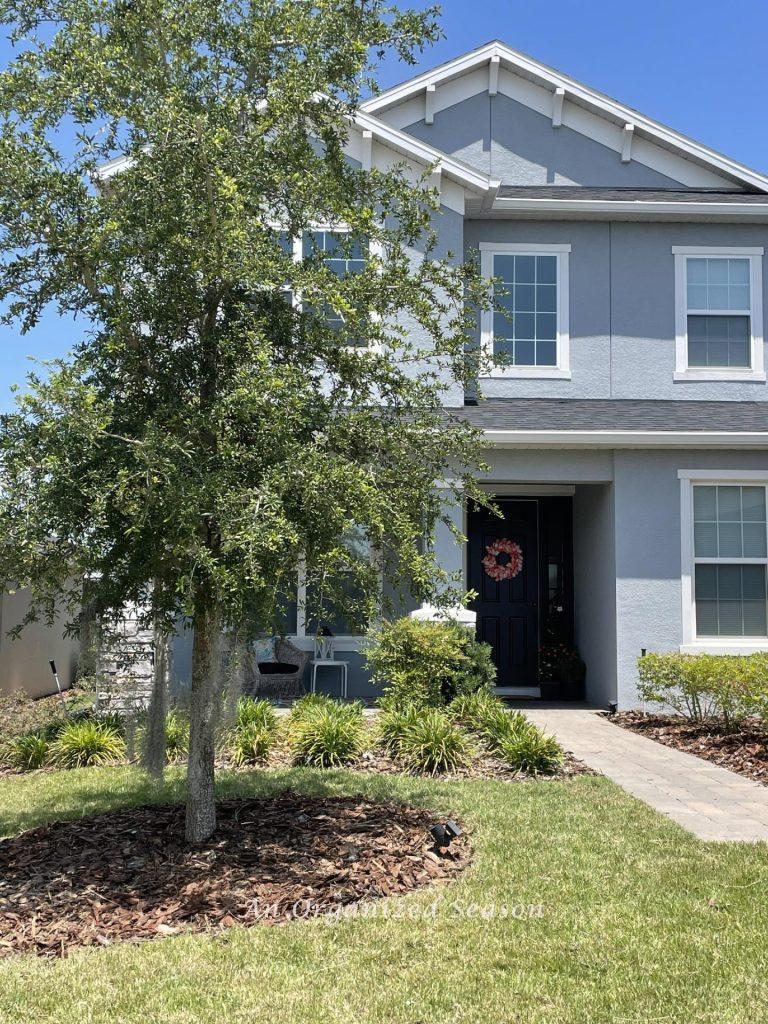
(641, 922)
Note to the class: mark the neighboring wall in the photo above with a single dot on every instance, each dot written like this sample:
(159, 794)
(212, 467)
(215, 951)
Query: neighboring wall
(24, 662)
(622, 306)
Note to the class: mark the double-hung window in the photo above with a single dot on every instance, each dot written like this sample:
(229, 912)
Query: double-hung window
(719, 333)
(343, 255)
(526, 333)
(725, 559)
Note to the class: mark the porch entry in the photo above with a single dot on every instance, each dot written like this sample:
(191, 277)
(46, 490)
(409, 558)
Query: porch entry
(521, 567)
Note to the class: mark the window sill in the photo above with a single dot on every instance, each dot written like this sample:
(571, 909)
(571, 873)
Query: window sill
(748, 376)
(713, 646)
(529, 373)
(340, 643)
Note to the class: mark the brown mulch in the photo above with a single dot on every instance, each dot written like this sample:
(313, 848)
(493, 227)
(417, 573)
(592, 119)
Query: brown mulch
(128, 875)
(744, 751)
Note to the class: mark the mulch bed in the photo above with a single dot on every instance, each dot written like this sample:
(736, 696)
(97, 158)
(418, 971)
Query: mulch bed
(128, 875)
(744, 751)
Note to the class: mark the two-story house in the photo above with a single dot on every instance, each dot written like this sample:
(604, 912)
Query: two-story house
(627, 432)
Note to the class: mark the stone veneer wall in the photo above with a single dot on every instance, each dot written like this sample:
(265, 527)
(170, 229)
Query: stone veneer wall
(125, 666)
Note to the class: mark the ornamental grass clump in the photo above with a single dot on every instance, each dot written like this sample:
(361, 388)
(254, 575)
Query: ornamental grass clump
(529, 750)
(28, 752)
(326, 736)
(499, 725)
(432, 744)
(309, 703)
(472, 710)
(256, 712)
(251, 743)
(393, 723)
(88, 742)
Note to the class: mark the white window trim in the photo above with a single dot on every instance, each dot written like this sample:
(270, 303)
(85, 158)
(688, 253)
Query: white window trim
(341, 642)
(691, 644)
(562, 370)
(375, 248)
(756, 370)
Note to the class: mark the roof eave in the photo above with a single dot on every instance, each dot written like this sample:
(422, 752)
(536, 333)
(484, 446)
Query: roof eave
(625, 439)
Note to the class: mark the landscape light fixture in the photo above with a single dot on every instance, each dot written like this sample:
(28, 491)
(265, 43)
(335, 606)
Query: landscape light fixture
(612, 707)
(444, 833)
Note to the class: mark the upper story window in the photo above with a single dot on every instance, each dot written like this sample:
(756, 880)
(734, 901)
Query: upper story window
(343, 255)
(718, 313)
(529, 329)
(725, 559)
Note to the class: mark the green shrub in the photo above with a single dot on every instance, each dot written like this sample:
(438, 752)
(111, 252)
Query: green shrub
(251, 743)
(427, 663)
(327, 735)
(432, 743)
(530, 750)
(724, 688)
(87, 742)
(176, 736)
(392, 724)
(28, 752)
(473, 709)
(256, 712)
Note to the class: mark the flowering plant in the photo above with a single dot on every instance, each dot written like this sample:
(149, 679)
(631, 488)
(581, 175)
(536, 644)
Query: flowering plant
(507, 570)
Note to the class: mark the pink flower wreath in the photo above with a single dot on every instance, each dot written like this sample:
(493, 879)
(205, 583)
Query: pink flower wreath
(491, 562)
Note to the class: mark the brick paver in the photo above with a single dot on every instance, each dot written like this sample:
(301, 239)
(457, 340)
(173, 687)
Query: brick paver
(708, 800)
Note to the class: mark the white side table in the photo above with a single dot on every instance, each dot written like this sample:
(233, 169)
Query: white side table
(330, 663)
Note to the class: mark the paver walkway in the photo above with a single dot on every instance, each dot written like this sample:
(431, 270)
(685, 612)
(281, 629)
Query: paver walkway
(708, 800)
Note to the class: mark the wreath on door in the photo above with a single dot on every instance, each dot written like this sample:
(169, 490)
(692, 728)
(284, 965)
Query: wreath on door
(503, 570)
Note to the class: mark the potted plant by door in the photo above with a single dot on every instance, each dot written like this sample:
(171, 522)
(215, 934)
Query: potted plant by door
(562, 672)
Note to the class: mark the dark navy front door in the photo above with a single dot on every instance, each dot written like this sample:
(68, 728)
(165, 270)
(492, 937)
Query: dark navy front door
(507, 607)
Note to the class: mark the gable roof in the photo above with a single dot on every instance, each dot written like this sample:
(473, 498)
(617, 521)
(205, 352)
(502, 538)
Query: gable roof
(398, 141)
(496, 54)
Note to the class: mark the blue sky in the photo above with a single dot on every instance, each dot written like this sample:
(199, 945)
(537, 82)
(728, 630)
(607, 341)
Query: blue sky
(697, 66)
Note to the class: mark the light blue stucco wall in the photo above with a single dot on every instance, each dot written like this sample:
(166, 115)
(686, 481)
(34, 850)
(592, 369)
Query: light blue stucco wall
(648, 550)
(518, 146)
(622, 307)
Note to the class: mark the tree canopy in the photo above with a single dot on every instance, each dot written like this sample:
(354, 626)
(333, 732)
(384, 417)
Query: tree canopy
(268, 328)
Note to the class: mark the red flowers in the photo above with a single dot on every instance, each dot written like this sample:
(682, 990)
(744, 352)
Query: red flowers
(509, 569)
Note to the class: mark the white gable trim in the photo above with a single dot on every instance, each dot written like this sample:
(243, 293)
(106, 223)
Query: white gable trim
(578, 97)
(367, 132)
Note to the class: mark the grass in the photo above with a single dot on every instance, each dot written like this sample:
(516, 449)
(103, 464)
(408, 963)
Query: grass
(640, 921)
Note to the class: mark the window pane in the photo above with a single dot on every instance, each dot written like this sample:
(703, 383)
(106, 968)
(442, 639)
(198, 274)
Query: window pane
(530, 302)
(716, 283)
(705, 540)
(753, 504)
(546, 269)
(722, 341)
(731, 600)
(729, 504)
(705, 504)
(754, 540)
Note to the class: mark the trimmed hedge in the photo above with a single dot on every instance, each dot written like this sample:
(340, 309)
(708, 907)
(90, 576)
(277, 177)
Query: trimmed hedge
(707, 687)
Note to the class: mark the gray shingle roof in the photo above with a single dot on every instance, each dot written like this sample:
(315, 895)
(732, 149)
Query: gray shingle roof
(631, 195)
(617, 414)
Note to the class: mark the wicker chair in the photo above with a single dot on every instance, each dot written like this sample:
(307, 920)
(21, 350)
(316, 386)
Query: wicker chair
(278, 684)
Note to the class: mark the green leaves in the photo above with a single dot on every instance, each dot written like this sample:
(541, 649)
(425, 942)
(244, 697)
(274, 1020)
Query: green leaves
(213, 423)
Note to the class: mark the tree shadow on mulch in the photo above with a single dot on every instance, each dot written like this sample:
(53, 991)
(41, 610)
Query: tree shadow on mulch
(128, 875)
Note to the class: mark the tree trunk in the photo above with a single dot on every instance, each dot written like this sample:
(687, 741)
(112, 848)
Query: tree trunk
(154, 746)
(201, 803)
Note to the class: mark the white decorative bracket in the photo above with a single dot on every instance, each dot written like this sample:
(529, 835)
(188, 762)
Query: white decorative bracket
(435, 179)
(626, 143)
(493, 75)
(558, 96)
(429, 104)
